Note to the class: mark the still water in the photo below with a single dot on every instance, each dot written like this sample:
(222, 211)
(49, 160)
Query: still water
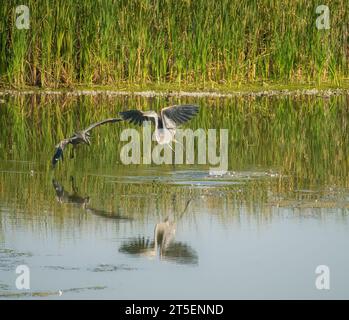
(96, 228)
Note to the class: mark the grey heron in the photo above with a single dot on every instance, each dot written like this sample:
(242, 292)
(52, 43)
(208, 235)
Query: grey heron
(82, 136)
(166, 122)
(62, 196)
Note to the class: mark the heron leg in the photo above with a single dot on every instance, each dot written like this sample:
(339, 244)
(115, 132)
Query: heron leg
(173, 155)
(176, 141)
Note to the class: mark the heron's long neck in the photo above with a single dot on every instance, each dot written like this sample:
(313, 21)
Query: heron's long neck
(159, 124)
(156, 231)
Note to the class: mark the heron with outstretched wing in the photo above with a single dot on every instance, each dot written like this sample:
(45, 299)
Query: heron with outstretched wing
(166, 122)
(82, 136)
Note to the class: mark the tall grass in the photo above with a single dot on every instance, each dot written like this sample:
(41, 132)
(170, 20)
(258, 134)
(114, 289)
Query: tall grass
(108, 42)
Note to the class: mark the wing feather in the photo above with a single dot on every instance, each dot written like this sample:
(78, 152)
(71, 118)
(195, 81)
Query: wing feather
(138, 116)
(180, 114)
(94, 125)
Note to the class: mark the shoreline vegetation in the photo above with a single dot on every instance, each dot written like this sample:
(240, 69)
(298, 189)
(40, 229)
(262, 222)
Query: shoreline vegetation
(324, 92)
(199, 45)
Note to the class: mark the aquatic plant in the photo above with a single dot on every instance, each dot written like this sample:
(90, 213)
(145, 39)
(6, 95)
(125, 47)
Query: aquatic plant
(201, 42)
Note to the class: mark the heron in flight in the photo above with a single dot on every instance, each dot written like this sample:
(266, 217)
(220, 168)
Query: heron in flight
(166, 122)
(82, 136)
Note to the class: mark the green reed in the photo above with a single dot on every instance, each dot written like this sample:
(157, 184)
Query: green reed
(113, 42)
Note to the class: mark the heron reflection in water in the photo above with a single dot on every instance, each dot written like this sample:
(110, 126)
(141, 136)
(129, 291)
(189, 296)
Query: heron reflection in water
(163, 244)
(75, 198)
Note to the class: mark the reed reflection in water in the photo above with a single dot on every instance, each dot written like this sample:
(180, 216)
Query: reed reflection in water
(283, 205)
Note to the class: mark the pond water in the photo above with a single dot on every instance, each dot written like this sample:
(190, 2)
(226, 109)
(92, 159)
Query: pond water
(96, 228)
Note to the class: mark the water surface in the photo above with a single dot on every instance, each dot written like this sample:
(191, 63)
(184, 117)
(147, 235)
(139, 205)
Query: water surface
(87, 228)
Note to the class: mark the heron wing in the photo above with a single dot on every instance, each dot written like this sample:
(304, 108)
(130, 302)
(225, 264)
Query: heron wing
(138, 245)
(178, 114)
(94, 125)
(181, 253)
(138, 116)
(106, 214)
